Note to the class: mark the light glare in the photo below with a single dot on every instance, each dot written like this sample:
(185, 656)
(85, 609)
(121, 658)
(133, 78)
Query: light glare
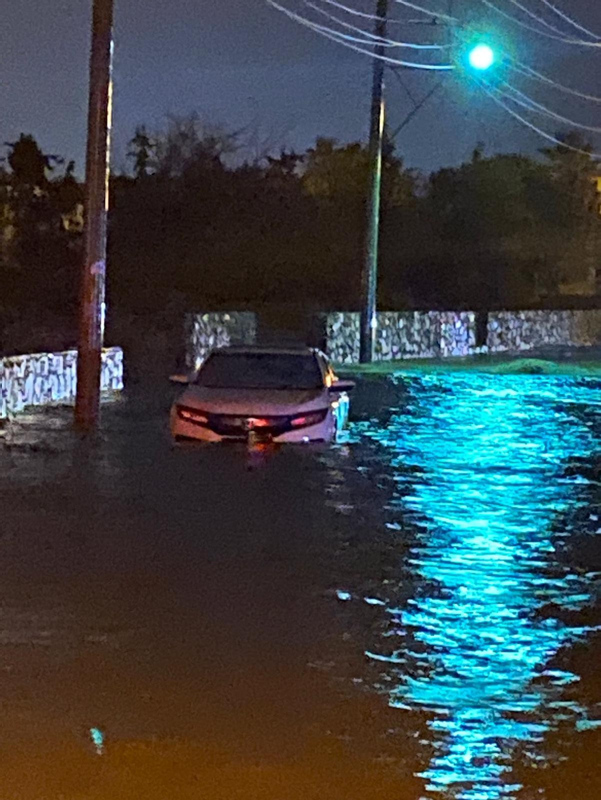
(481, 57)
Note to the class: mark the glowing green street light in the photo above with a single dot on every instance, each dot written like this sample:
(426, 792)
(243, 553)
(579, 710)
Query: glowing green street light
(481, 57)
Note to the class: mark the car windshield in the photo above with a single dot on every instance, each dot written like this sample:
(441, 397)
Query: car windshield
(260, 371)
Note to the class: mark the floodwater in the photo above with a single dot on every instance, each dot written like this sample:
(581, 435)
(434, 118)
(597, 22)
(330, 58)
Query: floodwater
(414, 614)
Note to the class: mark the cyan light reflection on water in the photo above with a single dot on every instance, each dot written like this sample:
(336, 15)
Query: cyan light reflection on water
(481, 463)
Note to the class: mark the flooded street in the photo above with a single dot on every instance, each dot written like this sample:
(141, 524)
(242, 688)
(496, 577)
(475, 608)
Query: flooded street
(415, 613)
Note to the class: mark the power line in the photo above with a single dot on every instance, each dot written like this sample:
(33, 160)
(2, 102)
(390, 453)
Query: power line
(324, 29)
(532, 105)
(527, 26)
(417, 107)
(494, 96)
(532, 74)
(427, 11)
(403, 85)
(348, 10)
(557, 34)
(374, 39)
(367, 15)
(569, 20)
(348, 41)
(536, 17)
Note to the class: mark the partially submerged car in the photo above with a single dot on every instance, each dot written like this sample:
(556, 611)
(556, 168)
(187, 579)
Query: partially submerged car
(262, 394)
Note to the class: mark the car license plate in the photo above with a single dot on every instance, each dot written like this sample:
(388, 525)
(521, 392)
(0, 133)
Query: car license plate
(257, 437)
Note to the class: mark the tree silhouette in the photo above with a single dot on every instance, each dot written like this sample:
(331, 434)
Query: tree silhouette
(28, 164)
(142, 152)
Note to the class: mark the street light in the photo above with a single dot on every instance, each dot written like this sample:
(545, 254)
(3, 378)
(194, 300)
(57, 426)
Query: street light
(481, 56)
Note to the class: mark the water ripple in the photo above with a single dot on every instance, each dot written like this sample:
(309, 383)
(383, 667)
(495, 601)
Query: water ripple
(493, 478)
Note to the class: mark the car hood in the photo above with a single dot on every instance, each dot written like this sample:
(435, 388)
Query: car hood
(254, 402)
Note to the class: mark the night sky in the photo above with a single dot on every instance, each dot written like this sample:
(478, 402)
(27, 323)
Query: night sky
(241, 63)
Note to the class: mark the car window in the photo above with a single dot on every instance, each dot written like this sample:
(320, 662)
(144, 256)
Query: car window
(260, 371)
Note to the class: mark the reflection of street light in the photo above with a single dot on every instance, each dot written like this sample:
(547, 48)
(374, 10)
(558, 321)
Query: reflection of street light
(473, 644)
(481, 57)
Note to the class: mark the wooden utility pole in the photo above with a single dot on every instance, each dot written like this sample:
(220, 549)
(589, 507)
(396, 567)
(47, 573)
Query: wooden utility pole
(376, 133)
(92, 299)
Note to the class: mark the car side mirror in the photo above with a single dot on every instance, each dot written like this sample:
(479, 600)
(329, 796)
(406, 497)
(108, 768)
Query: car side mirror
(342, 386)
(182, 379)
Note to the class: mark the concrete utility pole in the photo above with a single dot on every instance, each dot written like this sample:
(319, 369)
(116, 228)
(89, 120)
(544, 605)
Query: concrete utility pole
(92, 303)
(376, 132)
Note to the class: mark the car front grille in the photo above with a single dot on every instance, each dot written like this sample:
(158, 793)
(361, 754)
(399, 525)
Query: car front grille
(229, 425)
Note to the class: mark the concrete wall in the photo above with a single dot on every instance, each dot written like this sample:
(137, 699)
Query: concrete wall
(515, 331)
(434, 334)
(403, 334)
(217, 329)
(48, 378)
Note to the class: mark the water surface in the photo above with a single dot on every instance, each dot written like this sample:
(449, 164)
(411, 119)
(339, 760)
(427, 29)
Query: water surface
(412, 614)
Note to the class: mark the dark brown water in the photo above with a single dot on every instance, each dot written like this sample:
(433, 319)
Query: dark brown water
(413, 614)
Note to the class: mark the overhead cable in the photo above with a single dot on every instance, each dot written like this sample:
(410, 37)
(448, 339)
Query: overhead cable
(516, 21)
(530, 104)
(532, 74)
(382, 40)
(348, 41)
(549, 137)
(569, 20)
(374, 17)
(427, 11)
(541, 21)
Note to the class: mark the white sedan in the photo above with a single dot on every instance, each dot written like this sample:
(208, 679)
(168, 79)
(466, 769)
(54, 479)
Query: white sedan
(262, 394)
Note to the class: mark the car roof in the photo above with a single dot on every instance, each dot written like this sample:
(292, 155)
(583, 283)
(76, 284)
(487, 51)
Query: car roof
(266, 350)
